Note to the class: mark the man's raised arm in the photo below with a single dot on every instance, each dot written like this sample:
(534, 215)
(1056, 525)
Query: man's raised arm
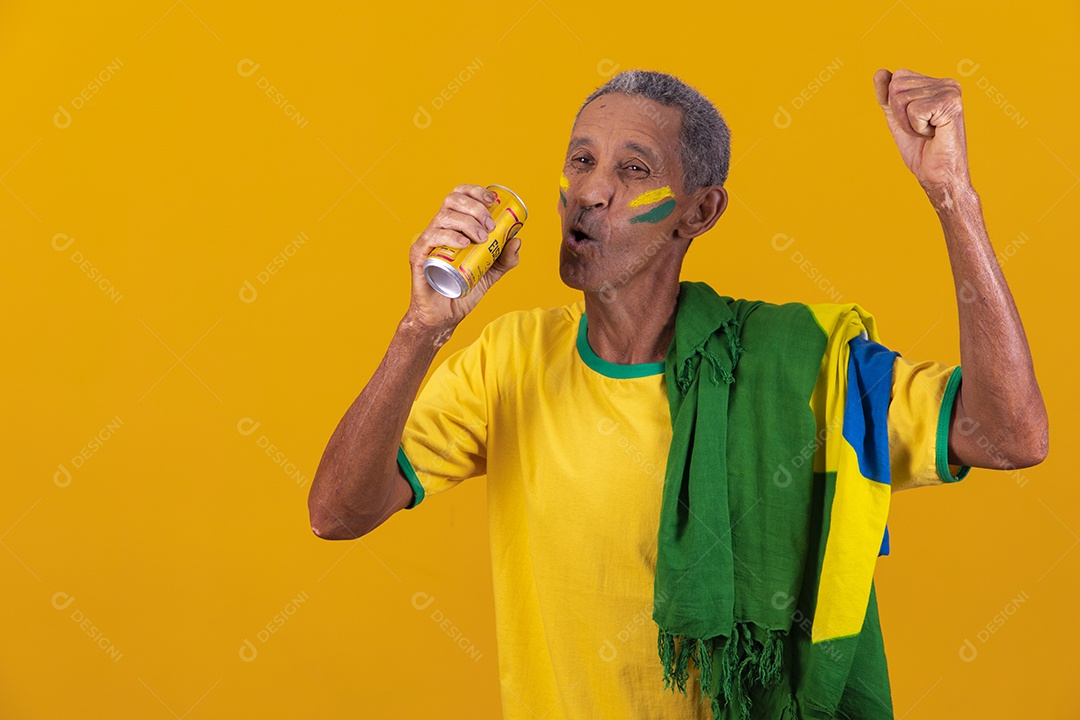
(358, 483)
(999, 418)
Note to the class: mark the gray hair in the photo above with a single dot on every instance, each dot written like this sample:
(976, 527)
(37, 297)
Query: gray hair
(704, 139)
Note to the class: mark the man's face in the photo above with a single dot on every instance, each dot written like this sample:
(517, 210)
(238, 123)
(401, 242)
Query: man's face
(620, 194)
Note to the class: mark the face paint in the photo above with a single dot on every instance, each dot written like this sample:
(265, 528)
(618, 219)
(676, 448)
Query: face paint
(564, 185)
(651, 196)
(659, 212)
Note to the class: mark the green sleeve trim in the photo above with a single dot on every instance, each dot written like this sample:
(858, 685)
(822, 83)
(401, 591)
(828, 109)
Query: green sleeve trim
(610, 369)
(942, 443)
(410, 475)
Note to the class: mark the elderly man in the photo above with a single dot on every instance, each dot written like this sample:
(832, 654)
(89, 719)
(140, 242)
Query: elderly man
(722, 465)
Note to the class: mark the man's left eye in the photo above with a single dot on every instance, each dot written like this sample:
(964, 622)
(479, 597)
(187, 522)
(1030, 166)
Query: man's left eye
(635, 167)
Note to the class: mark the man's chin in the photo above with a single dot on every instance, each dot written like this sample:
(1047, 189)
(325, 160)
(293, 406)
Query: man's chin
(571, 272)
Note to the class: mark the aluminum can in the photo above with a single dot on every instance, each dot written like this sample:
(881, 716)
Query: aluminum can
(453, 272)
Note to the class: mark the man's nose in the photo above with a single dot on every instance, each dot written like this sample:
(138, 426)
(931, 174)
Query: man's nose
(595, 190)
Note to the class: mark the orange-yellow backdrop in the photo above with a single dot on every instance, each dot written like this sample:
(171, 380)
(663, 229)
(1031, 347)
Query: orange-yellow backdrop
(207, 212)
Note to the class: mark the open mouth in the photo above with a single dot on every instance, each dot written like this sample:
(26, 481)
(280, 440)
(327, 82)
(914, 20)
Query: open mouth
(577, 239)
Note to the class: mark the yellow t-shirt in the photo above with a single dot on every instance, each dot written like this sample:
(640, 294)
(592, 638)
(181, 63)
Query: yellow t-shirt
(574, 449)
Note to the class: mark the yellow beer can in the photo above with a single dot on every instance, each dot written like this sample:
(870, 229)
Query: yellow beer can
(453, 272)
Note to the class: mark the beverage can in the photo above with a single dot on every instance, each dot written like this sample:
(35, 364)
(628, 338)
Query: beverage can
(453, 272)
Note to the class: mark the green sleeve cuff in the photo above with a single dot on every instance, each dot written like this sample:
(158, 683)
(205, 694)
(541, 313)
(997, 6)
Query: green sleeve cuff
(942, 443)
(410, 475)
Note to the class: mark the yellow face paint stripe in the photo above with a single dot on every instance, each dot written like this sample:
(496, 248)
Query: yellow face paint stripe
(651, 196)
(564, 183)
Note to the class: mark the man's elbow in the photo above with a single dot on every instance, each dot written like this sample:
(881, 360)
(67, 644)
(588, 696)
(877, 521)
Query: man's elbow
(1030, 447)
(333, 532)
(329, 525)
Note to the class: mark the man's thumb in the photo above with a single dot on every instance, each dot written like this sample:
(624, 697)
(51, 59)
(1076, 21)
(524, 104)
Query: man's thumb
(507, 259)
(882, 78)
(510, 257)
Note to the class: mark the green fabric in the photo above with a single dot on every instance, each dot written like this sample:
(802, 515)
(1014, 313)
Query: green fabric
(739, 555)
(410, 476)
(942, 441)
(610, 369)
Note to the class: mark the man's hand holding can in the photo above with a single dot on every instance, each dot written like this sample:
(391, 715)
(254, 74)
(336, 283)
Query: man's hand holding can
(462, 223)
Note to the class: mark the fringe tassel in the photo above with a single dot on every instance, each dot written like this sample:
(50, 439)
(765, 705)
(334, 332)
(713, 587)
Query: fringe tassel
(676, 663)
(732, 330)
(744, 664)
(772, 657)
(689, 370)
(665, 645)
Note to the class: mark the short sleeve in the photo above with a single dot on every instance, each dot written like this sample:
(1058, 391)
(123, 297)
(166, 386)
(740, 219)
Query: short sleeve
(445, 435)
(920, 413)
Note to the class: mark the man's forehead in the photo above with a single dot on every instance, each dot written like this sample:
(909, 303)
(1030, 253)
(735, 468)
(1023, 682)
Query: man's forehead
(634, 122)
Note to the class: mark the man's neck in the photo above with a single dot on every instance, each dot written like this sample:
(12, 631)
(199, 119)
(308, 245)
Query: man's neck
(633, 325)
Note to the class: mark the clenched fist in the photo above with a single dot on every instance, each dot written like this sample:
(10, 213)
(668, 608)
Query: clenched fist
(926, 118)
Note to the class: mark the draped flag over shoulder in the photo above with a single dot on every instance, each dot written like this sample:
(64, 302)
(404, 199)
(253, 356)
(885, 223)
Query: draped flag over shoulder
(774, 508)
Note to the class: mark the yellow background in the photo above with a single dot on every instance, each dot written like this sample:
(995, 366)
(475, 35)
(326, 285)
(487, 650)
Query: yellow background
(179, 180)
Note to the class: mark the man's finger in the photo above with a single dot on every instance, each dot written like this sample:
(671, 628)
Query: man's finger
(477, 192)
(882, 78)
(894, 112)
(921, 114)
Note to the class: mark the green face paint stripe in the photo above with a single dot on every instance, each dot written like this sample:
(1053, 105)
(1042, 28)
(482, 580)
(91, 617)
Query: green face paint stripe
(562, 197)
(657, 214)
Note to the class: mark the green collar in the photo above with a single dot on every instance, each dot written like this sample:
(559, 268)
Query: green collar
(610, 369)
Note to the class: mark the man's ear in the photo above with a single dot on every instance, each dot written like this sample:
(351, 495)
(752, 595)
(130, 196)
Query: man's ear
(707, 204)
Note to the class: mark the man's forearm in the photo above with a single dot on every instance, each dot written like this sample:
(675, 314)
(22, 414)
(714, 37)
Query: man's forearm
(999, 397)
(353, 482)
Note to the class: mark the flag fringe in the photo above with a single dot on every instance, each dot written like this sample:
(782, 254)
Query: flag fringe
(744, 663)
